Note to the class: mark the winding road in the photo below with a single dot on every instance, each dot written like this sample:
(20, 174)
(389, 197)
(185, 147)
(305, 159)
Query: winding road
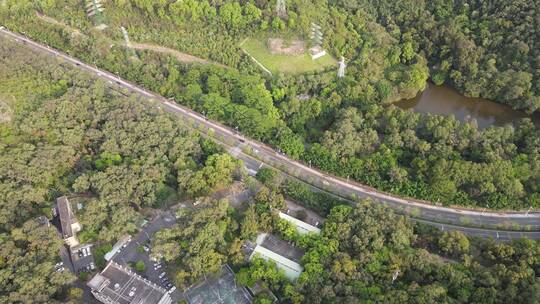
(499, 225)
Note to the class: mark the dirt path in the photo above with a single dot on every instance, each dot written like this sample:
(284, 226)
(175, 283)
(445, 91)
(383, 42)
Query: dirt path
(182, 57)
(56, 22)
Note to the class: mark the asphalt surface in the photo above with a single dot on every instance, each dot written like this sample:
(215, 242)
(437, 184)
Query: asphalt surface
(255, 155)
(131, 253)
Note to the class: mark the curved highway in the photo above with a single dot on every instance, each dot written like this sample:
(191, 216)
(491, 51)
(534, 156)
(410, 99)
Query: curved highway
(256, 154)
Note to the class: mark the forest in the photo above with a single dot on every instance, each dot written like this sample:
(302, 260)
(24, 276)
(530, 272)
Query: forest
(345, 126)
(64, 132)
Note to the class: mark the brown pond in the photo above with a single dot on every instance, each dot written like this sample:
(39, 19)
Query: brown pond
(443, 100)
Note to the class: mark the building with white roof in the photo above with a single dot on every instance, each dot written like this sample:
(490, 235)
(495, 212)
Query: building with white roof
(291, 268)
(120, 285)
(285, 255)
(301, 227)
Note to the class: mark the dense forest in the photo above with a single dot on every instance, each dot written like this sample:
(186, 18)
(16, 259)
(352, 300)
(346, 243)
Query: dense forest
(63, 132)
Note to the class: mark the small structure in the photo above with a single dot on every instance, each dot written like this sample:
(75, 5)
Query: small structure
(43, 221)
(69, 225)
(303, 97)
(316, 52)
(301, 227)
(122, 242)
(285, 256)
(119, 285)
(82, 258)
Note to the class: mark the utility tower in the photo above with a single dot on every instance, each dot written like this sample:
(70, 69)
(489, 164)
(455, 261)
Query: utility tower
(342, 66)
(94, 8)
(130, 52)
(316, 35)
(281, 8)
(126, 37)
(395, 275)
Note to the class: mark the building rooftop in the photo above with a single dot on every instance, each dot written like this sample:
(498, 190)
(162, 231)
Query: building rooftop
(66, 217)
(301, 227)
(286, 256)
(117, 246)
(291, 268)
(120, 285)
(280, 247)
(43, 221)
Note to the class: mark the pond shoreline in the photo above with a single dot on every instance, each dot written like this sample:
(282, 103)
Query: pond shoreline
(444, 100)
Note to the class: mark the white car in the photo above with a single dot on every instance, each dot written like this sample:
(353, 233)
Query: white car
(161, 275)
(172, 289)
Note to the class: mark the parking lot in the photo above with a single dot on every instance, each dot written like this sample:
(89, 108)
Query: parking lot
(132, 254)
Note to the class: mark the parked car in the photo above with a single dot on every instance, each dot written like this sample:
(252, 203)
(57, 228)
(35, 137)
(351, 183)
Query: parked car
(161, 275)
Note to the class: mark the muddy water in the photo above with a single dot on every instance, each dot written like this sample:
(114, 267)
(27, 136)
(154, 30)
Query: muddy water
(444, 100)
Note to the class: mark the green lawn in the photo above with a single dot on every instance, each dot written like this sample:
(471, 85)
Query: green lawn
(285, 63)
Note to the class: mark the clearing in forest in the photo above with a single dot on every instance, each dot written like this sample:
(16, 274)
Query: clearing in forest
(182, 57)
(286, 56)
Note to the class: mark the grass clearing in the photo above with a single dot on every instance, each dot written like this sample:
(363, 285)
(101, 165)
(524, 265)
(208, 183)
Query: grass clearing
(288, 64)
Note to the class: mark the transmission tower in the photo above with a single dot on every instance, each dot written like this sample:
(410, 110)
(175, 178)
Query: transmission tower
(126, 36)
(342, 66)
(130, 52)
(395, 275)
(316, 35)
(281, 8)
(94, 8)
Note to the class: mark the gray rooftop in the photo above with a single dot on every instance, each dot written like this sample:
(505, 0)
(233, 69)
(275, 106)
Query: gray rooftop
(118, 284)
(66, 216)
(282, 248)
